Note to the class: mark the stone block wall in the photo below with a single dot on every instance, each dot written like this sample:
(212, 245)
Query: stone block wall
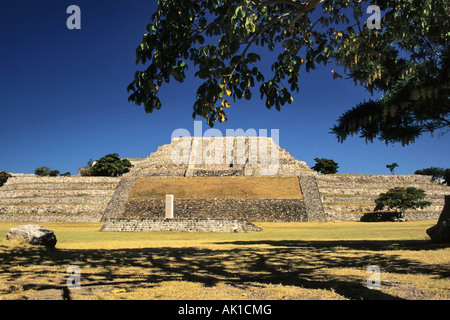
(69, 199)
(276, 210)
(183, 225)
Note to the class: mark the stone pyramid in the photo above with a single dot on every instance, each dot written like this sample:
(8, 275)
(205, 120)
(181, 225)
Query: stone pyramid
(219, 156)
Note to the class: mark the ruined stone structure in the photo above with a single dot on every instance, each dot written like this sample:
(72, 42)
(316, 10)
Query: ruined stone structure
(224, 156)
(320, 197)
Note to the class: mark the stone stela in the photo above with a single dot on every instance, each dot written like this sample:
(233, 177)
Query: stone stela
(169, 206)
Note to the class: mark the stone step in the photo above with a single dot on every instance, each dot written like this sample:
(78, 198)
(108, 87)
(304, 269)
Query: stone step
(289, 161)
(158, 162)
(371, 178)
(72, 179)
(161, 166)
(167, 153)
(55, 200)
(379, 184)
(296, 166)
(60, 186)
(297, 172)
(214, 173)
(430, 191)
(366, 199)
(368, 207)
(157, 173)
(163, 148)
(54, 193)
(61, 209)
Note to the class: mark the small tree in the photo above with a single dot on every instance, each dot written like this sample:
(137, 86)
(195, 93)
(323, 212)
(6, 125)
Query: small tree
(53, 173)
(47, 172)
(401, 199)
(392, 167)
(435, 172)
(111, 166)
(3, 177)
(325, 166)
(42, 171)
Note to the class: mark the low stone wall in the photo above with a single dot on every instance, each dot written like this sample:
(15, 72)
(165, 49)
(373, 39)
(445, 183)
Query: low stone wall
(215, 173)
(45, 208)
(410, 216)
(62, 180)
(50, 218)
(368, 178)
(275, 210)
(183, 225)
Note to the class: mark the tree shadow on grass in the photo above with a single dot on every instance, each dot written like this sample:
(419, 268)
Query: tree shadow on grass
(370, 252)
(305, 264)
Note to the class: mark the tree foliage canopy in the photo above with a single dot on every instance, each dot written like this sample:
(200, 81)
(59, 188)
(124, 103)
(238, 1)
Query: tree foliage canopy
(401, 199)
(392, 167)
(42, 171)
(407, 59)
(47, 172)
(409, 63)
(4, 177)
(110, 166)
(325, 166)
(436, 173)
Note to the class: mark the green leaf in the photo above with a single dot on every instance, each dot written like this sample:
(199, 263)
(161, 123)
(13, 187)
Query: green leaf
(249, 25)
(248, 94)
(240, 12)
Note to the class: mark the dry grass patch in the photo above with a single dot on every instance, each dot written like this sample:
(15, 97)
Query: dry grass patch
(284, 261)
(217, 187)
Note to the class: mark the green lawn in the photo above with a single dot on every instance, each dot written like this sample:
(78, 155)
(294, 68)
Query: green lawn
(284, 261)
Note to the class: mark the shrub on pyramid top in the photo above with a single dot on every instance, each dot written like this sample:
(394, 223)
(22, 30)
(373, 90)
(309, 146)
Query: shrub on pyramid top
(109, 166)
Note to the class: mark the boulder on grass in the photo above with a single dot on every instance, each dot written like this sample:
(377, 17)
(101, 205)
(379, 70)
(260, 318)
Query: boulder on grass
(33, 234)
(440, 233)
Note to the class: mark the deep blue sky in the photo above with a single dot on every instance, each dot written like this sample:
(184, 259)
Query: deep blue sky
(63, 97)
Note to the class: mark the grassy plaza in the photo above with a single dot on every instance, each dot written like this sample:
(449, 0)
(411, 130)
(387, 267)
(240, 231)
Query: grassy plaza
(285, 261)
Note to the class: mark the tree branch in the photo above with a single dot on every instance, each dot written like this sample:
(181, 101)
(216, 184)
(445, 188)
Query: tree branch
(256, 36)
